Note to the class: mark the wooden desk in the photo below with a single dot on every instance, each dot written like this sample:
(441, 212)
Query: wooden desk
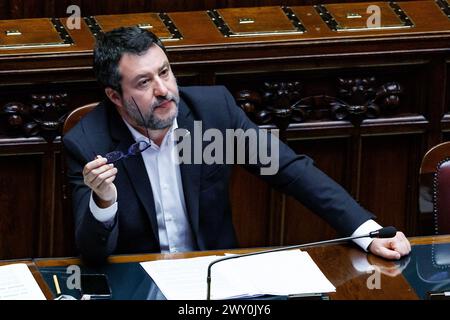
(337, 262)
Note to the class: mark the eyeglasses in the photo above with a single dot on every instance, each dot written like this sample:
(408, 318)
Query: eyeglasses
(135, 149)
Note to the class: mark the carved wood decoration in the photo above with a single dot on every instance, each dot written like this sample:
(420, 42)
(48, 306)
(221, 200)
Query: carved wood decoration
(358, 98)
(44, 116)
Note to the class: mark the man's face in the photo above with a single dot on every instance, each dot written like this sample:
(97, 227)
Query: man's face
(148, 79)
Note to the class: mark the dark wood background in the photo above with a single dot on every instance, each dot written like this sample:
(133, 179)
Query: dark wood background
(377, 160)
(20, 9)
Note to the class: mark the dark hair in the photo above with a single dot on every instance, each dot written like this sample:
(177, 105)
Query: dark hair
(112, 45)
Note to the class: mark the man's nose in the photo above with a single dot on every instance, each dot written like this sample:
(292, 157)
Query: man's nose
(160, 88)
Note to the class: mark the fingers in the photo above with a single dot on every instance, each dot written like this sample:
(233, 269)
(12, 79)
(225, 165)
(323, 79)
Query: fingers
(400, 244)
(99, 161)
(393, 248)
(108, 180)
(95, 173)
(408, 244)
(387, 253)
(99, 176)
(102, 175)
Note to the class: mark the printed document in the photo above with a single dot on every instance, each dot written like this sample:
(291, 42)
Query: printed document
(290, 272)
(17, 283)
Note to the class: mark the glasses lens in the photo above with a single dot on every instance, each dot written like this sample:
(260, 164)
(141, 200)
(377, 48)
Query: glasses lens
(138, 147)
(113, 156)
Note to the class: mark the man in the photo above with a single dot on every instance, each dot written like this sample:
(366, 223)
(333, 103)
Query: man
(143, 200)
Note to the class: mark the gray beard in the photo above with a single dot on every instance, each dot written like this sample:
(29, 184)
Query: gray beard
(150, 121)
(154, 123)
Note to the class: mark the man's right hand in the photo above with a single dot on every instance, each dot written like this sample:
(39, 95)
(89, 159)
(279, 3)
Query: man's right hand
(99, 176)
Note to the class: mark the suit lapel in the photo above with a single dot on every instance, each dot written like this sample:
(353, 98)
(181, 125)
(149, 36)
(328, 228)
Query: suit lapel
(134, 167)
(190, 173)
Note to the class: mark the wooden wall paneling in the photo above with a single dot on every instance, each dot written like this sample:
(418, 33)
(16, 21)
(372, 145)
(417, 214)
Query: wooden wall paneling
(277, 218)
(75, 94)
(178, 5)
(16, 9)
(60, 7)
(445, 81)
(32, 195)
(194, 76)
(79, 92)
(413, 223)
(63, 230)
(250, 204)
(437, 99)
(42, 224)
(19, 9)
(20, 184)
(354, 170)
(37, 8)
(330, 155)
(445, 119)
(51, 5)
(4, 9)
(389, 178)
(46, 77)
(48, 192)
(324, 79)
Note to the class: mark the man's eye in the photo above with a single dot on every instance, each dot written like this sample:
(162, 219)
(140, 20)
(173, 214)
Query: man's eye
(143, 83)
(165, 72)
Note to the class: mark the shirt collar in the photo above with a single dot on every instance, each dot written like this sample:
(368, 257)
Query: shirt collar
(137, 136)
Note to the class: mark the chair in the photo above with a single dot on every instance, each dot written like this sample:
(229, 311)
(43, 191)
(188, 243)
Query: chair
(71, 120)
(435, 186)
(66, 220)
(75, 116)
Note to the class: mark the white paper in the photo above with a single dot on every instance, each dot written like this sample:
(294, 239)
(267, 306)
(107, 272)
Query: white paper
(185, 279)
(280, 273)
(17, 283)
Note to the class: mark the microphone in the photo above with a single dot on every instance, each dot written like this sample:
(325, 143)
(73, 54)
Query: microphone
(386, 232)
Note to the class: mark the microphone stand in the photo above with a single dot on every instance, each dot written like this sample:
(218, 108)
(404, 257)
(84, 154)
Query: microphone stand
(386, 232)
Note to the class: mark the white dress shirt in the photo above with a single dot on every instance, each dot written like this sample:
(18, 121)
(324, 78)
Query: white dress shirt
(365, 228)
(175, 234)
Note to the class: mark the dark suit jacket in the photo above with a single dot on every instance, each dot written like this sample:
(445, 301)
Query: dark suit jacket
(205, 186)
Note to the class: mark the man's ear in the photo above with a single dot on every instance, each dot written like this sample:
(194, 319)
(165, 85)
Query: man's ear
(114, 96)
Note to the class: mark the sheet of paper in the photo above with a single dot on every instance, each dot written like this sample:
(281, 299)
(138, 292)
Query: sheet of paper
(185, 279)
(280, 273)
(17, 283)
